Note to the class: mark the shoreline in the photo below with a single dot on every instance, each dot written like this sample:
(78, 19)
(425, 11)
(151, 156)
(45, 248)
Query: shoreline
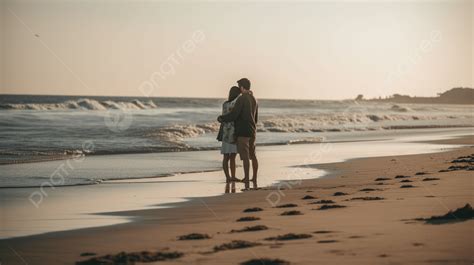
(195, 212)
(96, 169)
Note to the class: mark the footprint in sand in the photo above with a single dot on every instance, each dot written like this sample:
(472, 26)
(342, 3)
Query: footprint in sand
(291, 213)
(402, 177)
(288, 205)
(382, 179)
(430, 179)
(406, 186)
(356, 237)
(323, 232)
(327, 241)
(247, 219)
(339, 193)
(308, 197)
(265, 261)
(254, 209)
(368, 189)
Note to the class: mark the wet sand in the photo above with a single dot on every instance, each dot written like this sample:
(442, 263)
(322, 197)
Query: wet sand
(365, 230)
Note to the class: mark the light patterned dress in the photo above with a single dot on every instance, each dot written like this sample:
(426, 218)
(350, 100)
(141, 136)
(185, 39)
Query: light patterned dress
(228, 138)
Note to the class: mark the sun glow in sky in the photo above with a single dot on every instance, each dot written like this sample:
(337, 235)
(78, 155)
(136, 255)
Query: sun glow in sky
(302, 50)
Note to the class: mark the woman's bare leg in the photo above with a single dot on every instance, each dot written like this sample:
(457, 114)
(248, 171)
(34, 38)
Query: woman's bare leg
(232, 165)
(225, 167)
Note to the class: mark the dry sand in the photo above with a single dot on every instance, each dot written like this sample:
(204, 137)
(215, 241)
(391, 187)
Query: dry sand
(368, 230)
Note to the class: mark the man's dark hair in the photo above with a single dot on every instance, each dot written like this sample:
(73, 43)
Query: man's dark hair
(245, 83)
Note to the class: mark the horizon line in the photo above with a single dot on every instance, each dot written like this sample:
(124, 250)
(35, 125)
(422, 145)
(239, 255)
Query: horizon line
(121, 96)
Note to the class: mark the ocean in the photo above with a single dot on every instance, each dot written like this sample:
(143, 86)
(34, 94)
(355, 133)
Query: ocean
(43, 129)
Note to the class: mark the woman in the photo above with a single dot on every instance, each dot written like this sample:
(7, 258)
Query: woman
(226, 135)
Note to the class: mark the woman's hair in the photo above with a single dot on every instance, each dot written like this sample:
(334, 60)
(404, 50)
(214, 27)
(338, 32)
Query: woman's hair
(234, 92)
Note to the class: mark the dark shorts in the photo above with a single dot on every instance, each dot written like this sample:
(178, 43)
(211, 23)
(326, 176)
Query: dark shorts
(246, 147)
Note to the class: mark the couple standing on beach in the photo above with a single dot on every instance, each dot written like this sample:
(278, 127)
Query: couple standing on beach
(238, 130)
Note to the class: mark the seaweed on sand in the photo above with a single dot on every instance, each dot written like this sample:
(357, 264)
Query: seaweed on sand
(247, 219)
(291, 213)
(253, 209)
(265, 261)
(288, 205)
(323, 202)
(330, 206)
(289, 236)
(367, 199)
(235, 244)
(250, 229)
(131, 258)
(459, 215)
(194, 236)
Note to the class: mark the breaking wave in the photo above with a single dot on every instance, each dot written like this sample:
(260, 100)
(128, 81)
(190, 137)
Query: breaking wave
(50, 129)
(175, 135)
(336, 122)
(83, 104)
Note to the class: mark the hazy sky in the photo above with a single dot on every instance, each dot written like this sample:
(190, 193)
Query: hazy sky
(310, 50)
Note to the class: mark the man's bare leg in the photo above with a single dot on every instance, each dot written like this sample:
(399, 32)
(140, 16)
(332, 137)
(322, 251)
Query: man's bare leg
(254, 169)
(246, 164)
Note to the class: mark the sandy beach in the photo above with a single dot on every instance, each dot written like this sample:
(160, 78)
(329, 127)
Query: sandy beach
(298, 222)
(236, 132)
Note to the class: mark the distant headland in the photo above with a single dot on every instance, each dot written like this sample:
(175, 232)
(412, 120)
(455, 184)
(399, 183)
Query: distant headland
(457, 95)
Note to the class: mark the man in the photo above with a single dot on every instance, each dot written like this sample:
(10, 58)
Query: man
(245, 115)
